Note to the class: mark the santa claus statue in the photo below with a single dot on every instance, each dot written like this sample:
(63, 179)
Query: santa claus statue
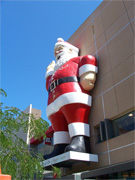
(68, 82)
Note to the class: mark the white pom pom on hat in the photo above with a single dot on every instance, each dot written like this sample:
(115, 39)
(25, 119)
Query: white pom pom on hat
(60, 41)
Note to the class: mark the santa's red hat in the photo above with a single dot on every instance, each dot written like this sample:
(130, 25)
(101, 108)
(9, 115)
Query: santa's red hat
(60, 41)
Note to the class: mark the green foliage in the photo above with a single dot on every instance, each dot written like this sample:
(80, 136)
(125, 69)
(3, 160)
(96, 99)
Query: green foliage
(3, 93)
(57, 171)
(16, 158)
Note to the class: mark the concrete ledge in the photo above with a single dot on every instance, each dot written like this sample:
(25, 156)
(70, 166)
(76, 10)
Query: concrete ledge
(69, 158)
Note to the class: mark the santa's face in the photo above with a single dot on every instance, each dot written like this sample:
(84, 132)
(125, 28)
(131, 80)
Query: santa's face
(59, 51)
(62, 55)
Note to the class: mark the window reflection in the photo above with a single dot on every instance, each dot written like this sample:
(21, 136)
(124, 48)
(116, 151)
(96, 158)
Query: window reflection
(112, 128)
(124, 124)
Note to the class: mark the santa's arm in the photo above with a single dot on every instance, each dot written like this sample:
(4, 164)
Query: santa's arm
(49, 72)
(87, 72)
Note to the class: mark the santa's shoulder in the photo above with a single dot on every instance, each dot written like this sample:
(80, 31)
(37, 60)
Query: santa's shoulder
(83, 58)
(75, 59)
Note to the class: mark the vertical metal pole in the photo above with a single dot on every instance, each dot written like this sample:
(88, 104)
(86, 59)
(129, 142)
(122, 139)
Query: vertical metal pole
(28, 133)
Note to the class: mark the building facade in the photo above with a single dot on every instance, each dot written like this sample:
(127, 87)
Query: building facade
(43, 146)
(108, 34)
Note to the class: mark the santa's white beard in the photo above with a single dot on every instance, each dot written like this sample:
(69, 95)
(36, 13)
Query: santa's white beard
(63, 59)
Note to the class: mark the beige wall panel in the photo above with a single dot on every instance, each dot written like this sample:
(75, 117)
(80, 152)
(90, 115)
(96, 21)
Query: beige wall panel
(130, 153)
(119, 72)
(130, 65)
(93, 134)
(96, 112)
(103, 160)
(128, 3)
(122, 140)
(121, 47)
(122, 155)
(132, 88)
(98, 26)
(124, 96)
(107, 81)
(95, 13)
(100, 41)
(99, 148)
(88, 33)
(79, 167)
(78, 37)
(89, 50)
(131, 15)
(87, 21)
(129, 137)
(110, 104)
(112, 12)
(71, 39)
(103, 62)
(93, 142)
(97, 88)
(133, 26)
(104, 4)
(36, 113)
(96, 148)
(131, 12)
(80, 41)
(117, 26)
(93, 139)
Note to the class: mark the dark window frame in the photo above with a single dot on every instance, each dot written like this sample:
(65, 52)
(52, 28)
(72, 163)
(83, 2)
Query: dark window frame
(109, 129)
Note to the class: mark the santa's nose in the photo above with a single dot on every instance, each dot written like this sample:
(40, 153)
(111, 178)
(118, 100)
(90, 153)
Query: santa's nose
(57, 52)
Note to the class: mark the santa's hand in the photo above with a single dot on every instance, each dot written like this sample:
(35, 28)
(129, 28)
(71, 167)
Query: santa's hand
(51, 66)
(87, 80)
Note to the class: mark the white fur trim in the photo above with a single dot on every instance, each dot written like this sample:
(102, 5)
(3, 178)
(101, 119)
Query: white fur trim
(67, 45)
(68, 98)
(49, 73)
(61, 137)
(87, 68)
(78, 128)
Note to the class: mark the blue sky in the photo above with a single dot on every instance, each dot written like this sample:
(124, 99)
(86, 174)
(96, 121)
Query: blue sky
(29, 30)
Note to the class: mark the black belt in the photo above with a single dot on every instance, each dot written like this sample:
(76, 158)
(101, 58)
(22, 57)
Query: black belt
(61, 81)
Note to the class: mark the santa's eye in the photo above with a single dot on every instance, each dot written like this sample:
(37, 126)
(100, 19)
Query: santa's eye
(59, 48)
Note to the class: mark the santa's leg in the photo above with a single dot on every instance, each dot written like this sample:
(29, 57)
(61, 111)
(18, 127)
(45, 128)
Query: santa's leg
(77, 115)
(61, 134)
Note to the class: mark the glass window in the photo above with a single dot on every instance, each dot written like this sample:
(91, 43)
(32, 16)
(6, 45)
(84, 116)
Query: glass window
(124, 124)
(100, 132)
(115, 127)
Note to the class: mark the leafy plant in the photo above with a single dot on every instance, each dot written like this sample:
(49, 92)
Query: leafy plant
(56, 172)
(16, 157)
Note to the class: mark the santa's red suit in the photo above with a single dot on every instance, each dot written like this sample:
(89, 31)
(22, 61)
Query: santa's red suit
(68, 103)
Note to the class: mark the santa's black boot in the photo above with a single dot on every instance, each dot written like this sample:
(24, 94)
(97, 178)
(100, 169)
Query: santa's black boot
(58, 149)
(79, 144)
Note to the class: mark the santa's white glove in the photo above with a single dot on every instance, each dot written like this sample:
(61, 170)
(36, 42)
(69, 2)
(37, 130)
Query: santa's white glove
(51, 66)
(87, 80)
